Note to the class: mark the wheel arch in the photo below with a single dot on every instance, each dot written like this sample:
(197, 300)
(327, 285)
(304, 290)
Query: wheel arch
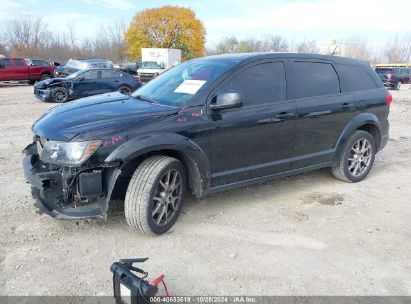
(365, 121)
(135, 151)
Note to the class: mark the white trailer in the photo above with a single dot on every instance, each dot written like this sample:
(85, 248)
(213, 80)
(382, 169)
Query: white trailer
(155, 61)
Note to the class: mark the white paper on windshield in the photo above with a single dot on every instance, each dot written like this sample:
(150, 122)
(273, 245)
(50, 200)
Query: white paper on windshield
(190, 86)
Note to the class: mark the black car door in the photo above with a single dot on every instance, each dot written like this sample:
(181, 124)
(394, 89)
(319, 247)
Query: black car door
(88, 84)
(254, 140)
(322, 111)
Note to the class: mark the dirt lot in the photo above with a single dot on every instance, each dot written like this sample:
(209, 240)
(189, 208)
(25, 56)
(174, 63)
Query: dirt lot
(305, 235)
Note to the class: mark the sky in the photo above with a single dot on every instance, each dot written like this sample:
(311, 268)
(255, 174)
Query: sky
(322, 20)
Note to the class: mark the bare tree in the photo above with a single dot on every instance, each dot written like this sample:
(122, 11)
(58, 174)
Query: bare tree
(109, 41)
(309, 47)
(356, 47)
(267, 43)
(398, 49)
(26, 34)
(71, 32)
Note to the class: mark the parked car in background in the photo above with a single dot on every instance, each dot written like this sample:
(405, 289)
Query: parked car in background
(130, 67)
(17, 69)
(74, 65)
(155, 61)
(85, 83)
(394, 75)
(207, 125)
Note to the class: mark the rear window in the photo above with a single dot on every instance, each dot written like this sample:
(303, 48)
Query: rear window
(357, 78)
(110, 74)
(314, 79)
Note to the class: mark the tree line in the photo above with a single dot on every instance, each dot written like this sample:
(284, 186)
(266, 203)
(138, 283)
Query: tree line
(28, 35)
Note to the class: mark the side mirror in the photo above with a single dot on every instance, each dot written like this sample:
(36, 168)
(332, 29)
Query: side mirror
(227, 100)
(81, 78)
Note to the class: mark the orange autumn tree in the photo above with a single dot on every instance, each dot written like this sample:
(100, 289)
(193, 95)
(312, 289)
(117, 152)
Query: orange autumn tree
(166, 27)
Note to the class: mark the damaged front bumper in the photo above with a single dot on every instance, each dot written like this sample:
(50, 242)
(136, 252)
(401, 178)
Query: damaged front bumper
(69, 192)
(43, 94)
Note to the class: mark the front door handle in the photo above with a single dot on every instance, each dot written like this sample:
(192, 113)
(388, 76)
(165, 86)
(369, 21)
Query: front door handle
(284, 115)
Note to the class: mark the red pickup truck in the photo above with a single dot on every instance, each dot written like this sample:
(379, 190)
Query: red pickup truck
(17, 69)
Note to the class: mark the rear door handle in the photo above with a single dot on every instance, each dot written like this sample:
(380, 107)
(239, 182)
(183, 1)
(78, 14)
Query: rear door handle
(284, 115)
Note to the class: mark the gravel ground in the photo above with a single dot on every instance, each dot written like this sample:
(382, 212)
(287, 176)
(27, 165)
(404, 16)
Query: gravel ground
(308, 234)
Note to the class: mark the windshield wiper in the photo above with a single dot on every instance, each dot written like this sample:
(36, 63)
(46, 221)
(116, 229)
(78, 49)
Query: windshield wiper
(143, 98)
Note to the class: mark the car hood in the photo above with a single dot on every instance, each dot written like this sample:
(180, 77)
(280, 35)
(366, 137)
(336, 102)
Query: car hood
(66, 121)
(45, 83)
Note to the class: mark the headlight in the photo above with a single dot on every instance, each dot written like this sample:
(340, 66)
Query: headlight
(68, 153)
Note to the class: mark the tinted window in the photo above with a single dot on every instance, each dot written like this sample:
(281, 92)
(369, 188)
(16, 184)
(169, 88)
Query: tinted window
(260, 84)
(172, 87)
(19, 62)
(314, 79)
(110, 74)
(357, 78)
(40, 63)
(5, 63)
(91, 75)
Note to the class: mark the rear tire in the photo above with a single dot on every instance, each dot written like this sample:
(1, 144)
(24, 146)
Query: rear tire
(59, 94)
(155, 195)
(125, 90)
(356, 158)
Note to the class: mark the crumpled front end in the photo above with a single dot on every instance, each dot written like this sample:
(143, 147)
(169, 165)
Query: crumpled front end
(66, 192)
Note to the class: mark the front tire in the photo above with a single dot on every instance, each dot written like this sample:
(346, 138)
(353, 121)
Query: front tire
(59, 94)
(155, 195)
(398, 85)
(357, 157)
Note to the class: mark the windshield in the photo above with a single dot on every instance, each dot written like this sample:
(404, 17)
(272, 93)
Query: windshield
(150, 65)
(74, 75)
(179, 85)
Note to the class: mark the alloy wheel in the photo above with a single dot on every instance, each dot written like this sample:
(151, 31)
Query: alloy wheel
(360, 156)
(167, 197)
(60, 95)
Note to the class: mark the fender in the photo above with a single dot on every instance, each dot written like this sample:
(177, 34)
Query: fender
(355, 123)
(194, 157)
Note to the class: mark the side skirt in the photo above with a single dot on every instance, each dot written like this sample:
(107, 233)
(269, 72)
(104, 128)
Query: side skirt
(264, 178)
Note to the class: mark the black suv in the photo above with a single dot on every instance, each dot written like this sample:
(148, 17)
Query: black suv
(394, 77)
(207, 125)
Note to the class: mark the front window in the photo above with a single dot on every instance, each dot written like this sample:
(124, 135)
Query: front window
(75, 74)
(179, 85)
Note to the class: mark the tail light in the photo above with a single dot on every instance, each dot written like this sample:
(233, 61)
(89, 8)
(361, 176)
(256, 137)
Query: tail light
(390, 76)
(388, 99)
